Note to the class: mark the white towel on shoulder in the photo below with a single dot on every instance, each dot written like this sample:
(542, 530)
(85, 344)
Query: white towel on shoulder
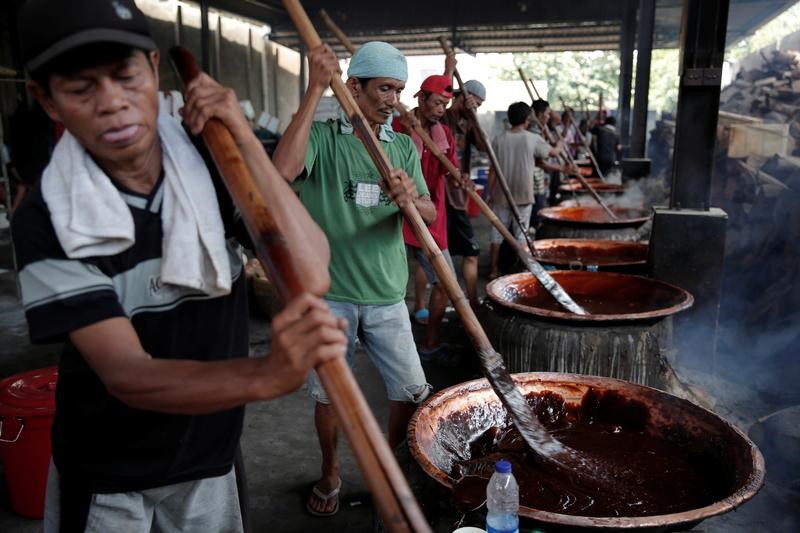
(91, 218)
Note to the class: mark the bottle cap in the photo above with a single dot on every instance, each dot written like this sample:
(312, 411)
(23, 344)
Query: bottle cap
(503, 466)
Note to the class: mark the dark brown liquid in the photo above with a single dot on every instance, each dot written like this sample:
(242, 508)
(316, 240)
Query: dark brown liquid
(598, 293)
(595, 306)
(635, 471)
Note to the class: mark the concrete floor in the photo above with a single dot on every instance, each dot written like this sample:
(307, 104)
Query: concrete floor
(282, 455)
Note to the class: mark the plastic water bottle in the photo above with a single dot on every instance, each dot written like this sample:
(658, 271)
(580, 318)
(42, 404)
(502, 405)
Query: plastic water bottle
(502, 500)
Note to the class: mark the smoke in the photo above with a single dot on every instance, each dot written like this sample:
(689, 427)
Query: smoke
(639, 194)
(760, 307)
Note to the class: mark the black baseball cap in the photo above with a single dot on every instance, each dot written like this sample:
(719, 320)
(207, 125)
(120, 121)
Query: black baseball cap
(50, 28)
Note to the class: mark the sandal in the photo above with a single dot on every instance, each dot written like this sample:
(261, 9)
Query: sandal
(324, 497)
(421, 316)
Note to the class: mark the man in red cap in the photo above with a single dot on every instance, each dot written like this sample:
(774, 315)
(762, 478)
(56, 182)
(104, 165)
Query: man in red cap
(432, 99)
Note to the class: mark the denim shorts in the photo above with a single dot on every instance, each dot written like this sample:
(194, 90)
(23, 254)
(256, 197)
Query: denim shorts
(427, 266)
(385, 332)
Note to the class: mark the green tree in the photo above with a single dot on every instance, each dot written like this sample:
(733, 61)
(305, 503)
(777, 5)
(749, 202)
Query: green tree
(664, 80)
(577, 76)
(774, 30)
(573, 76)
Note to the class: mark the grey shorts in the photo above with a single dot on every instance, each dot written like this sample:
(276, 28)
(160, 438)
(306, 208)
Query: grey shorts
(385, 331)
(210, 504)
(506, 216)
(427, 266)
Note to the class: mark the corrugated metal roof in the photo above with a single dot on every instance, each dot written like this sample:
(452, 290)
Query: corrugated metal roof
(505, 26)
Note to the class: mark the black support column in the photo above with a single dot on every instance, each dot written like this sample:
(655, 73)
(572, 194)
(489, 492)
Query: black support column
(205, 57)
(626, 44)
(687, 245)
(644, 53)
(703, 30)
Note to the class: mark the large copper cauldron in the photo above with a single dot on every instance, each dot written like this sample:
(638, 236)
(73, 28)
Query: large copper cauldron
(606, 255)
(628, 334)
(591, 222)
(441, 429)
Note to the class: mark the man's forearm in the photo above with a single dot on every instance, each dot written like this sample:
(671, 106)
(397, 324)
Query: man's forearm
(426, 209)
(289, 156)
(477, 137)
(549, 167)
(182, 386)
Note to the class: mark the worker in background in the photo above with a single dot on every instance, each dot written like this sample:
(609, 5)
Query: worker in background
(585, 147)
(432, 99)
(609, 147)
(517, 150)
(460, 234)
(128, 252)
(546, 164)
(359, 212)
(567, 130)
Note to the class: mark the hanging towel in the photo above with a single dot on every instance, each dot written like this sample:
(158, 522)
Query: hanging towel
(91, 218)
(438, 136)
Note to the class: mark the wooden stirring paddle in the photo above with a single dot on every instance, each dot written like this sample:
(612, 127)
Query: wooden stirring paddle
(389, 488)
(541, 274)
(535, 436)
(411, 122)
(564, 152)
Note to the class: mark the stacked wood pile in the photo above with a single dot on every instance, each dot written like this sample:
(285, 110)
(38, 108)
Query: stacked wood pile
(760, 306)
(758, 186)
(770, 93)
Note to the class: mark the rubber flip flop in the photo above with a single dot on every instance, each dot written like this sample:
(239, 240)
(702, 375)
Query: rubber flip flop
(325, 497)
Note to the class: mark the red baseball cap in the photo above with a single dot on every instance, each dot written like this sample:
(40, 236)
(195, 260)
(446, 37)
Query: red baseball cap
(438, 84)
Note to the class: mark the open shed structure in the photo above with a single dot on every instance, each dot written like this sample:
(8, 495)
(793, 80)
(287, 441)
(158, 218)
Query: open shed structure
(522, 26)
(688, 235)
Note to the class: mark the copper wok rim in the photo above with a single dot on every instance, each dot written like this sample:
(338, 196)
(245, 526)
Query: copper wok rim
(546, 244)
(600, 188)
(492, 291)
(749, 488)
(553, 214)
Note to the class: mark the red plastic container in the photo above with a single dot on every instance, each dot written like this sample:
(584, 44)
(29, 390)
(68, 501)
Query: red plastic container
(27, 407)
(472, 208)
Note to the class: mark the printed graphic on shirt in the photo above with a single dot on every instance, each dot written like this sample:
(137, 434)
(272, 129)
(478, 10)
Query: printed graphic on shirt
(365, 193)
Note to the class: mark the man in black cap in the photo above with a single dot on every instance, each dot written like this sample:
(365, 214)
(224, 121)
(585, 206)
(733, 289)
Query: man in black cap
(128, 252)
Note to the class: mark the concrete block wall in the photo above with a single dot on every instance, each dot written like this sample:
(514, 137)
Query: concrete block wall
(240, 55)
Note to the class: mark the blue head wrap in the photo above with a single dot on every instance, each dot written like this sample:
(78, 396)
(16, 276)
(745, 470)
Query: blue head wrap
(377, 59)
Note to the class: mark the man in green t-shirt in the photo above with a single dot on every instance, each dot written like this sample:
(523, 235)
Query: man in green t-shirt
(358, 211)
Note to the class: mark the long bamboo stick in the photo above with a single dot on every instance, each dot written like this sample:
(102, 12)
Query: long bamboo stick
(547, 133)
(533, 266)
(541, 274)
(392, 494)
(411, 122)
(583, 141)
(492, 364)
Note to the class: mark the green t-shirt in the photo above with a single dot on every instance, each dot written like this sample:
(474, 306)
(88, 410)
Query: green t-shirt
(364, 227)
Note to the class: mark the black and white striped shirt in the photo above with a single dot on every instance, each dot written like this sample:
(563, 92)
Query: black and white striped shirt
(97, 440)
